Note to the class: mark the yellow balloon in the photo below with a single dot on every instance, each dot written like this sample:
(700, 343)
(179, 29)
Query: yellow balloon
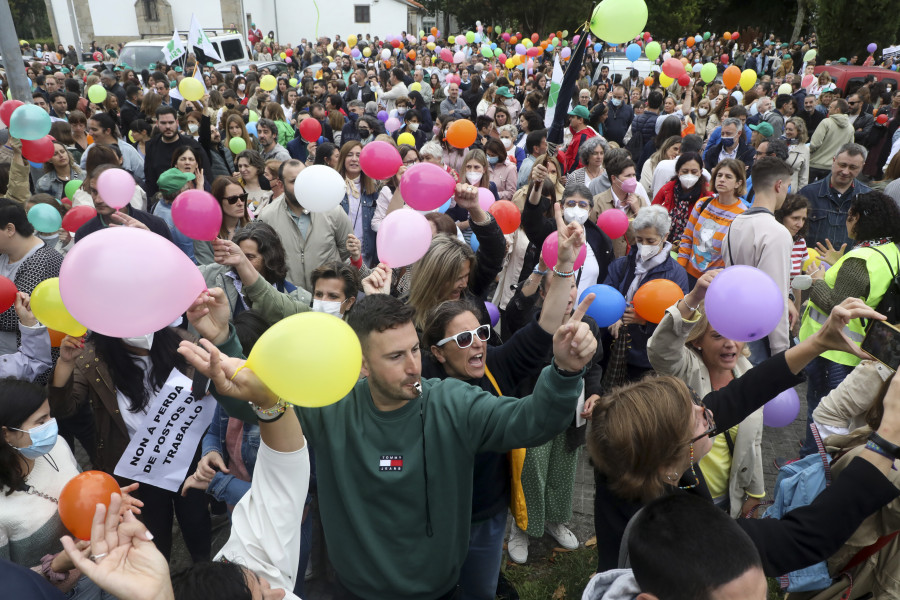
(430, 45)
(406, 138)
(367, 52)
(748, 79)
(665, 80)
(812, 262)
(283, 55)
(48, 308)
(351, 40)
(509, 63)
(451, 40)
(415, 87)
(309, 359)
(191, 89)
(96, 93)
(268, 82)
(330, 47)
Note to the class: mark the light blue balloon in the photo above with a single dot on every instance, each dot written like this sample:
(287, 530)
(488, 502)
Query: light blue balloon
(477, 38)
(36, 165)
(493, 45)
(473, 241)
(444, 207)
(611, 44)
(29, 122)
(698, 38)
(251, 127)
(45, 218)
(597, 47)
(633, 52)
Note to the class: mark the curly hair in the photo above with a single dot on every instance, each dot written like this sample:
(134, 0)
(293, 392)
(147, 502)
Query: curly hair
(793, 203)
(270, 249)
(878, 216)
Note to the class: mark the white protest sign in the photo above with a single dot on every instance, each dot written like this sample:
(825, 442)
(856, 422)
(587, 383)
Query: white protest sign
(163, 446)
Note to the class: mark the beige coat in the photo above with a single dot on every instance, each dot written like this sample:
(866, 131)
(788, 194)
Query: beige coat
(669, 356)
(844, 408)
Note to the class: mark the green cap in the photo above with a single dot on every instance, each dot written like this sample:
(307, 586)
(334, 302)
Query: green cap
(117, 68)
(178, 69)
(209, 64)
(152, 66)
(173, 180)
(580, 111)
(843, 60)
(80, 68)
(504, 91)
(764, 129)
(65, 70)
(754, 50)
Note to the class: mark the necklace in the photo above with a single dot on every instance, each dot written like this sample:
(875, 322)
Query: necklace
(29, 489)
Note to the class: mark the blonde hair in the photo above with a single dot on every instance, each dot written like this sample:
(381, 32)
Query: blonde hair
(699, 330)
(481, 157)
(436, 272)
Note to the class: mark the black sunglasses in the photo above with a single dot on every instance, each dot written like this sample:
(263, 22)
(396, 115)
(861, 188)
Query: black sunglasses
(707, 414)
(234, 199)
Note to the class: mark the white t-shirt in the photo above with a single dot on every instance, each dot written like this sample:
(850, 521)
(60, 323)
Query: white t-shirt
(590, 271)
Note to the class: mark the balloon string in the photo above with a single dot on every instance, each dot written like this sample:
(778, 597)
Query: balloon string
(238, 370)
(317, 18)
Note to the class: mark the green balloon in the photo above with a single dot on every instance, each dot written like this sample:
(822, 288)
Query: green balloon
(470, 36)
(618, 21)
(653, 50)
(487, 52)
(497, 51)
(708, 72)
(706, 35)
(96, 93)
(45, 218)
(71, 187)
(254, 116)
(237, 145)
(811, 54)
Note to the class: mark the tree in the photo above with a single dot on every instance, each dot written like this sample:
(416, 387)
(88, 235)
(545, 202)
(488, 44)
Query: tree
(30, 17)
(845, 27)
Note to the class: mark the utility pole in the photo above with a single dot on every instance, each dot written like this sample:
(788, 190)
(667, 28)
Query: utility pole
(73, 18)
(12, 56)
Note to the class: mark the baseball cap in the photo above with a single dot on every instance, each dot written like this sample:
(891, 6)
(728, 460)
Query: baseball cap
(580, 111)
(173, 180)
(504, 91)
(764, 129)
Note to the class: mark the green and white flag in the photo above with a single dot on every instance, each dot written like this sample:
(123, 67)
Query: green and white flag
(555, 83)
(174, 49)
(199, 39)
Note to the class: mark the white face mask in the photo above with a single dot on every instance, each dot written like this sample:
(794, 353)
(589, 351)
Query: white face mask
(143, 342)
(688, 181)
(802, 282)
(414, 127)
(507, 143)
(193, 127)
(703, 112)
(473, 177)
(242, 86)
(401, 110)
(330, 307)
(647, 252)
(575, 214)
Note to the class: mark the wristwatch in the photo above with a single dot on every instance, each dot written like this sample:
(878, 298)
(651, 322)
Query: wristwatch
(889, 448)
(563, 372)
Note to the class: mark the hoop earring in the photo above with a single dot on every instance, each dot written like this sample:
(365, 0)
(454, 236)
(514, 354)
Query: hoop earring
(673, 476)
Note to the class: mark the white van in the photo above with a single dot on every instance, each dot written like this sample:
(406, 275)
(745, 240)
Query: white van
(139, 54)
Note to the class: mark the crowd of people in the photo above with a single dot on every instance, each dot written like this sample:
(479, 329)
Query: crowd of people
(494, 406)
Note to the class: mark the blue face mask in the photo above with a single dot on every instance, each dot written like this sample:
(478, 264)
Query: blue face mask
(43, 438)
(616, 102)
(493, 159)
(727, 142)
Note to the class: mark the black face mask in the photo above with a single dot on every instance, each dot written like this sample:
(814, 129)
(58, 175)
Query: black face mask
(364, 133)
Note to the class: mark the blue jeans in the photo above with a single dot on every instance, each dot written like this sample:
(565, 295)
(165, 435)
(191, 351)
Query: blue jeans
(822, 376)
(478, 577)
(85, 589)
(759, 351)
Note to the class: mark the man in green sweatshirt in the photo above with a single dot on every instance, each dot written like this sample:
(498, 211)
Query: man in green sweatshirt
(395, 456)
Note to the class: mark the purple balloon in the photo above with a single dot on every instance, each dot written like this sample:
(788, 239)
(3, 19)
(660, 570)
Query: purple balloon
(744, 304)
(872, 48)
(493, 312)
(382, 116)
(781, 410)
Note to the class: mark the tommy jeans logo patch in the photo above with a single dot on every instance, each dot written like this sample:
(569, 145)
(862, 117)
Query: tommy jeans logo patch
(390, 462)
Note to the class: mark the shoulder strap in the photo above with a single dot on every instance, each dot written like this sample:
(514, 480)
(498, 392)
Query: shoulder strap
(624, 559)
(729, 441)
(893, 275)
(491, 378)
(705, 204)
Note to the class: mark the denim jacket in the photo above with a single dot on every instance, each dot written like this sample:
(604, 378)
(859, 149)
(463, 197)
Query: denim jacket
(223, 486)
(827, 218)
(367, 204)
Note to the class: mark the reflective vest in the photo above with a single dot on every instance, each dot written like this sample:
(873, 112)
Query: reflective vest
(879, 280)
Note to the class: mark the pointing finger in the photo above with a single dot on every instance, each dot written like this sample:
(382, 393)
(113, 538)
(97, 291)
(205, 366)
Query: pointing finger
(581, 310)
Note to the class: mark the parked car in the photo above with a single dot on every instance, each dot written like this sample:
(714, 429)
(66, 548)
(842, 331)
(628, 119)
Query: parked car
(617, 63)
(850, 78)
(140, 54)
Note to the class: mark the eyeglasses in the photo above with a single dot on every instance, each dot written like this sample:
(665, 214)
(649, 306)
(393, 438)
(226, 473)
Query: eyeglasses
(707, 414)
(464, 339)
(410, 162)
(234, 199)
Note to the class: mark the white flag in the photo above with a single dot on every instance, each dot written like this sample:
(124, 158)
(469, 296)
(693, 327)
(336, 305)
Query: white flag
(174, 49)
(199, 39)
(555, 84)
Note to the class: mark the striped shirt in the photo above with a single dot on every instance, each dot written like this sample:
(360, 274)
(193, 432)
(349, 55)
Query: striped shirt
(701, 243)
(799, 255)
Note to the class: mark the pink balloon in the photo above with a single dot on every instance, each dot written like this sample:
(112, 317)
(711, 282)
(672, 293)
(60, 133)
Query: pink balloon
(550, 251)
(380, 160)
(446, 55)
(426, 186)
(502, 58)
(485, 198)
(126, 282)
(392, 125)
(197, 214)
(403, 238)
(116, 188)
(807, 80)
(613, 222)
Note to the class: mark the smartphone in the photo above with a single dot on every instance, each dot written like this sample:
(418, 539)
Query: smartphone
(882, 342)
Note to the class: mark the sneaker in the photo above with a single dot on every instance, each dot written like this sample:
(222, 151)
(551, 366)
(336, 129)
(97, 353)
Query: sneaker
(559, 532)
(517, 545)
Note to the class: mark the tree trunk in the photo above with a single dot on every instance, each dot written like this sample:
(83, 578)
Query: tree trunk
(798, 22)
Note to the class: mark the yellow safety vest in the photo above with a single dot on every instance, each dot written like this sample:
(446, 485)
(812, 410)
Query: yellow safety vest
(879, 280)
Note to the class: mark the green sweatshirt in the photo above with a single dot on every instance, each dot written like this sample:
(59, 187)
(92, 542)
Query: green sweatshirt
(372, 473)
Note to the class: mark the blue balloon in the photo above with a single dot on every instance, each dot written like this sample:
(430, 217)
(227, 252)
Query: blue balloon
(698, 38)
(597, 47)
(608, 305)
(251, 127)
(444, 207)
(611, 44)
(36, 165)
(493, 45)
(473, 241)
(477, 38)
(633, 52)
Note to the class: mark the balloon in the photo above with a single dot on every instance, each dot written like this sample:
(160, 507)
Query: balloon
(726, 35)
(461, 134)
(446, 55)
(96, 93)
(268, 82)
(406, 138)
(254, 116)
(190, 89)
(319, 188)
(744, 303)
(382, 115)
(415, 87)
(696, 68)
(48, 308)
(614, 223)
(706, 35)
(351, 40)
(485, 198)
(380, 160)
(653, 298)
(652, 50)
(619, 21)
(80, 497)
(290, 51)
(459, 57)
(426, 186)
(648, 81)
(781, 410)
(737, 95)
(45, 218)
(309, 359)
(71, 187)
(724, 58)
(684, 80)
(111, 282)
(673, 68)
(565, 53)
(550, 252)
(470, 36)
(881, 119)
(29, 122)
(116, 188)
(7, 109)
(735, 35)
(77, 216)
(197, 214)
(608, 305)
(633, 52)
(310, 129)
(403, 238)
(392, 124)
(39, 151)
(507, 215)
(690, 42)
(807, 80)
(785, 88)
(708, 72)
(493, 312)
(748, 79)
(872, 48)
(238, 145)
(731, 77)
(810, 55)
(665, 80)
(7, 293)
(251, 127)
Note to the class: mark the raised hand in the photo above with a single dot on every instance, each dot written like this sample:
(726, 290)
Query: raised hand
(571, 239)
(210, 314)
(831, 336)
(573, 343)
(378, 281)
(120, 219)
(70, 349)
(829, 254)
(23, 310)
(226, 252)
(227, 373)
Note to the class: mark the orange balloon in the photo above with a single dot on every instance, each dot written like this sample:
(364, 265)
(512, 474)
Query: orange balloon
(731, 77)
(727, 35)
(513, 40)
(402, 46)
(411, 55)
(79, 498)
(434, 31)
(648, 81)
(461, 134)
(507, 215)
(90, 139)
(56, 337)
(544, 44)
(387, 64)
(653, 298)
(690, 42)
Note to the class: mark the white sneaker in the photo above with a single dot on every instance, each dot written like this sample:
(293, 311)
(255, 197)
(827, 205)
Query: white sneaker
(565, 538)
(517, 545)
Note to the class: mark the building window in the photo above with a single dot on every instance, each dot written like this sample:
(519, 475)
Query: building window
(151, 13)
(361, 14)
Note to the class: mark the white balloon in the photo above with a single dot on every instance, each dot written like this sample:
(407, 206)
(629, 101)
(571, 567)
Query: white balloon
(385, 54)
(785, 88)
(319, 188)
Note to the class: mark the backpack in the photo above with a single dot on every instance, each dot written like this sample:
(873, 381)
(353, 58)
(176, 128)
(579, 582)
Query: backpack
(890, 302)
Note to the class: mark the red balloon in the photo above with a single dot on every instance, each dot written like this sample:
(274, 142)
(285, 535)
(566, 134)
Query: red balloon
(77, 217)
(310, 130)
(735, 36)
(98, 56)
(647, 36)
(38, 151)
(79, 498)
(507, 215)
(881, 119)
(289, 51)
(7, 108)
(684, 80)
(724, 59)
(535, 37)
(395, 43)
(7, 293)
(673, 68)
